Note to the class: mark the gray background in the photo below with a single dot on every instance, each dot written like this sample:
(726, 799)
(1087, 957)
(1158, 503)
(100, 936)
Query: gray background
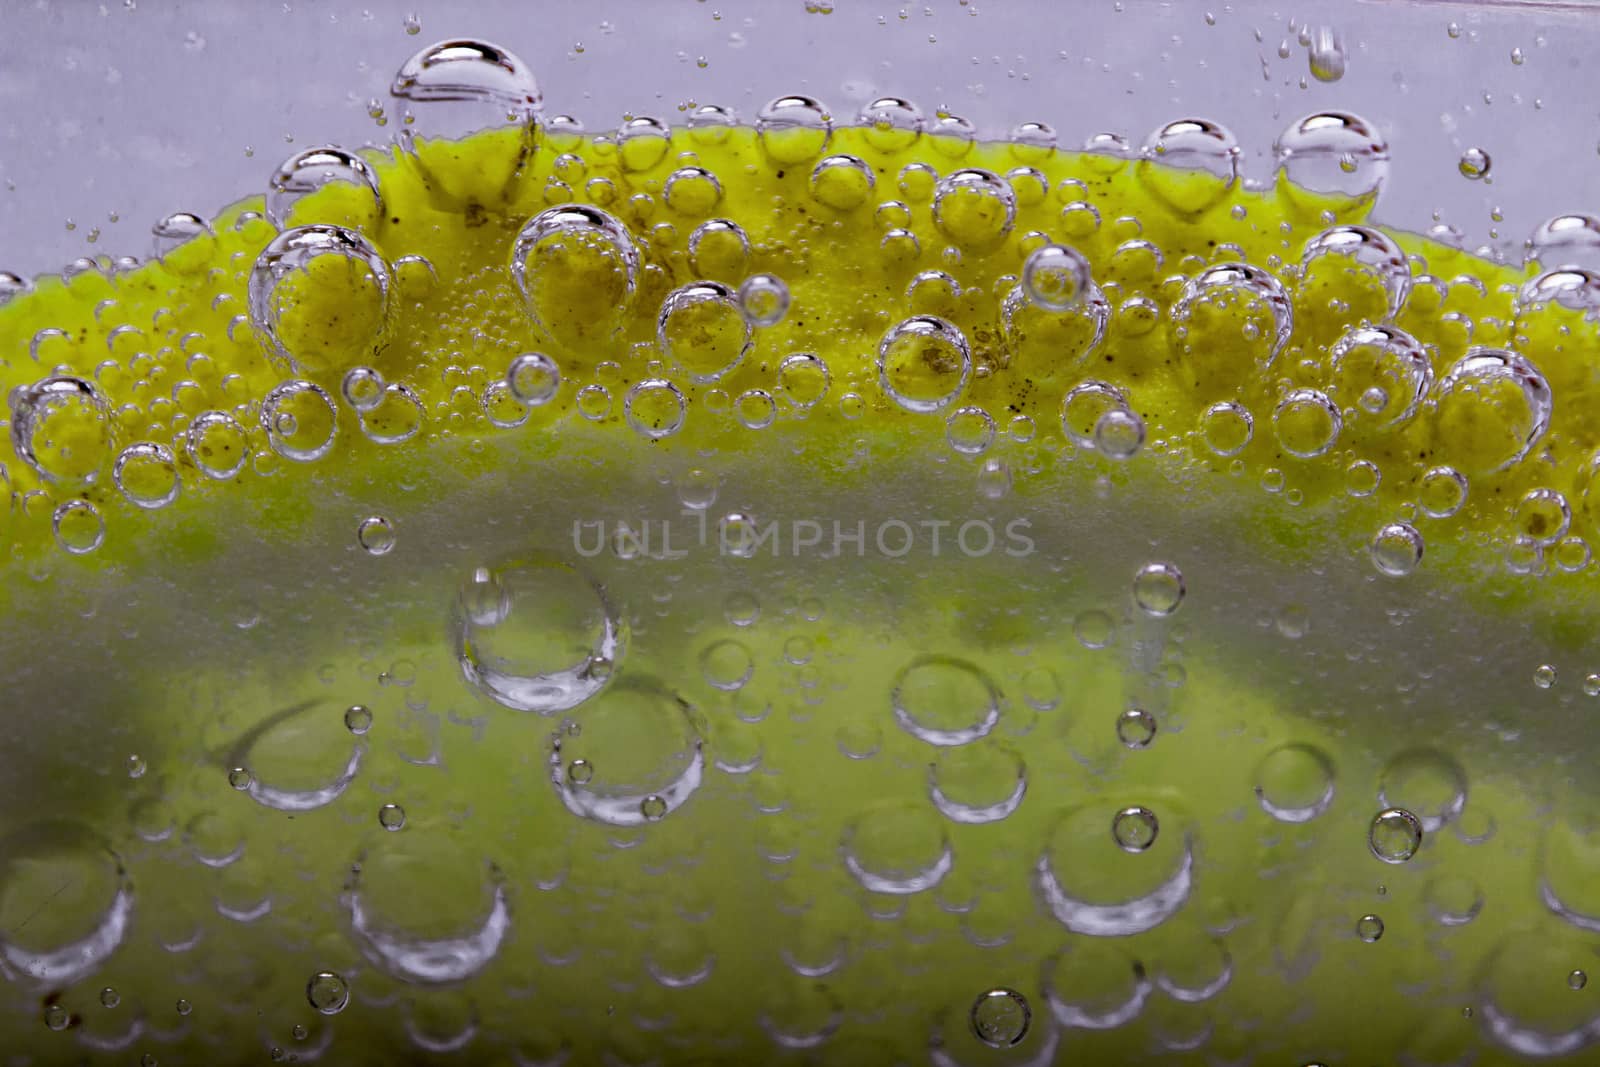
(144, 108)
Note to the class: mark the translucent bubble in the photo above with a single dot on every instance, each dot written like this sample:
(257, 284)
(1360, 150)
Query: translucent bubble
(1384, 369)
(1119, 434)
(1084, 405)
(216, 445)
(358, 719)
(702, 329)
(577, 268)
(642, 143)
(1136, 728)
(375, 535)
(692, 191)
(945, 701)
(458, 87)
(175, 230)
(842, 182)
(392, 817)
(300, 420)
(1427, 783)
(327, 992)
(973, 207)
(1369, 928)
(319, 297)
(764, 298)
(1492, 408)
(1158, 589)
(78, 526)
(1364, 252)
(794, 129)
(654, 408)
(395, 418)
(1306, 423)
(978, 783)
(1109, 152)
(1000, 1018)
(313, 169)
(62, 427)
(537, 636)
(1190, 165)
(891, 124)
(803, 379)
(719, 248)
(1294, 783)
(1572, 288)
(12, 285)
(1474, 164)
(1441, 492)
(1576, 980)
(1135, 829)
(533, 378)
(1543, 516)
(1091, 887)
(711, 123)
(501, 407)
(1226, 428)
(65, 904)
(970, 430)
(897, 848)
(1331, 155)
(1056, 277)
(1544, 676)
(1325, 54)
(1565, 241)
(923, 363)
(362, 388)
(1231, 308)
(641, 754)
(1395, 835)
(994, 479)
(726, 664)
(1396, 549)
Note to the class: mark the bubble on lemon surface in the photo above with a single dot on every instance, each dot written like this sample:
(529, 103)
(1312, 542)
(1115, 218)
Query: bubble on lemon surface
(1353, 272)
(319, 298)
(1056, 277)
(1379, 374)
(1427, 783)
(1331, 160)
(982, 782)
(78, 526)
(794, 129)
(755, 409)
(945, 700)
(1044, 342)
(392, 817)
(638, 756)
(970, 430)
(974, 208)
(1136, 728)
(1492, 407)
(654, 408)
(66, 903)
(533, 378)
(347, 183)
(1190, 165)
(1294, 783)
(719, 249)
(1119, 434)
(1092, 885)
(216, 445)
(375, 535)
(426, 910)
(642, 142)
(1084, 405)
(147, 475)
(576, 267)
(1395, 835)
(897, 848)
(300, 420)
(1000, 1018)
(1306, 423)
(923, 363)
(62, 427)
(803, 379)
(536, 636)
(457, 87)
(395, 418)
(842, 182)
(890, 124)
(362, 388)
(1396, 549)
(1369, 928)
(1230, 323)
(358, 719)
(1227, 428)
(727, 664)
(1563, 242)
(1441, 491)
(764, 298)
(702, 329)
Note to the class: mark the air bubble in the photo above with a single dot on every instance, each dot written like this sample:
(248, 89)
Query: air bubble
(1135, 829)
(891, 124)
(720, 249)
(1384, 370)
(1441, 492)
(923, 363)
(642, 142)
(974, 208)
(392, 817)
(842, 183)
(358, 719)
(300, 420)
(1119, 434)
(764, 299)
(216, 445)
(692, 191)
(897, 848)
(319, 296)
(1364, 253)
(654, 408)
(970, 430)
(395, 418)
(1395, 835)
(803, 379)
(1331, 155)
(1294, 783)
(362, 388)
(702, 329)
(794, 129)
(1158, 589)
(533, 378)
(79, 527)
(1084, 405)
(62, 427)
(375, 535)
(1306, 423)
(1056, 277)
(1474, 164)
(945, 701)
(576, 268)
(1543, 516)
(1190, 165)
(1226, 428)
(1136, 728)
(1000, 1018)
(1565, 241)
(1226, 311)
(1396, 549)
(1491, 408)
(313, 170)
(1369, 928)
(638, 750)
(327, 992)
